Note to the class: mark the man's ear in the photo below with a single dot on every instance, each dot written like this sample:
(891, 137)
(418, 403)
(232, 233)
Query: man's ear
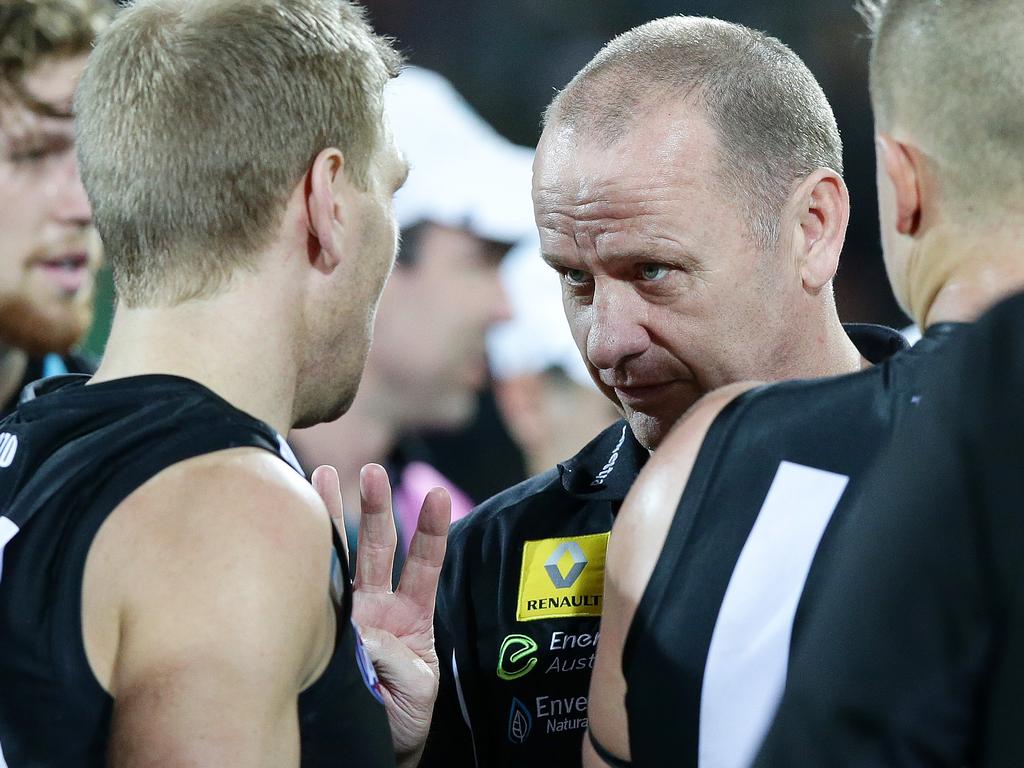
(902, 166)
(823, 214)
(325, 213)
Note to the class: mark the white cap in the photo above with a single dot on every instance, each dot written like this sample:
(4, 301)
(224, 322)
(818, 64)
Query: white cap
(537, 338)
(462, 172)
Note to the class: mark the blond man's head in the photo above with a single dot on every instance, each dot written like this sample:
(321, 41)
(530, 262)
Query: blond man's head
(949, 77)
(196, 119)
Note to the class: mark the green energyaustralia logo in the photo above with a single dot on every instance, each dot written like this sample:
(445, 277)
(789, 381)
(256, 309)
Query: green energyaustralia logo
(515, 649)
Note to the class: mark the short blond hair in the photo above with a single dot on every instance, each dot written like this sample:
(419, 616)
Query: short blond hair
(195, 119)
(952, 73)
(34, 30)
(772, 119)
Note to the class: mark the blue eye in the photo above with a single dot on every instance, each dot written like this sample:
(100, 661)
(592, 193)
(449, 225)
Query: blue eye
(576, 276)
(653, 272)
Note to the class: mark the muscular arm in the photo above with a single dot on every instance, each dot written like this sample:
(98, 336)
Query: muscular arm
(206, 611)
(634, 547)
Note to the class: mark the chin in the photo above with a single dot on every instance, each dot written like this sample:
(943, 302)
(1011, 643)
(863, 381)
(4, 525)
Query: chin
(42, 330)
(324, 410)
(649, 430)
(451, 413)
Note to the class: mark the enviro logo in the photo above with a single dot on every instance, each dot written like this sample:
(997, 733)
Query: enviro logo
(520, 722)
(515, 649)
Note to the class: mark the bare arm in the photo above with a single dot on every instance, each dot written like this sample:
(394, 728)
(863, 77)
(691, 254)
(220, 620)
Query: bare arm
(206, 611)
(634, 547)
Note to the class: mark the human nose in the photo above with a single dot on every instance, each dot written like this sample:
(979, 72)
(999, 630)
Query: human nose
(71, 205)
(616, 332)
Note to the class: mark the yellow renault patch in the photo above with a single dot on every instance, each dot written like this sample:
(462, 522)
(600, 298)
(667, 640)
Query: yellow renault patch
(562, 577)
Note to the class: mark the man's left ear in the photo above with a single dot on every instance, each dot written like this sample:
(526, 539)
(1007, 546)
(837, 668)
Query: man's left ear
(325, 210)
(823, 215)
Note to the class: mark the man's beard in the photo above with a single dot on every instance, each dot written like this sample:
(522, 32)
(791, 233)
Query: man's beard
(38, 330)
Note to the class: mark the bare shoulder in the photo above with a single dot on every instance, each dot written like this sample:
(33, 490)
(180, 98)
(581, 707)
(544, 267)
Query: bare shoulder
(633, 550)
(234, 540)
(647, 513)
(242, 497)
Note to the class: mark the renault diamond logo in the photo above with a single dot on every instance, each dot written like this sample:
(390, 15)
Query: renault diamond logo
(578, 561)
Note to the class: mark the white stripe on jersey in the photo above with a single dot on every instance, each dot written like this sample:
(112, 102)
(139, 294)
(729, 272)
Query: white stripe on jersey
(745, 671)
(8, 530)
(462, 706)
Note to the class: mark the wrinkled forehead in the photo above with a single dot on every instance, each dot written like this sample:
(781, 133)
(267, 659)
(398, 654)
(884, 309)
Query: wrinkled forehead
(672, 145)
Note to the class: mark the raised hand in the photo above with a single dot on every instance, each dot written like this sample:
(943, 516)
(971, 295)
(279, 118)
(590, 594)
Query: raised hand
(397, 626)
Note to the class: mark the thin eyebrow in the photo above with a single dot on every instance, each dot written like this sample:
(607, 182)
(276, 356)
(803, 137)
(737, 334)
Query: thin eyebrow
(552, 261)
(677, 257)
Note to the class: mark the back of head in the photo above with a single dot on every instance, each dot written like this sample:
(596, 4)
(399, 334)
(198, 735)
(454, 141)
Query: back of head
(197, 118)
(951, 74)
(32, 31)
(774, 124)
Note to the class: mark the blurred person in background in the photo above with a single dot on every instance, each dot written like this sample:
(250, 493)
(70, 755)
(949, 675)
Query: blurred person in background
(688, 192)
(465, 203)
(546, 398)
(49, 251)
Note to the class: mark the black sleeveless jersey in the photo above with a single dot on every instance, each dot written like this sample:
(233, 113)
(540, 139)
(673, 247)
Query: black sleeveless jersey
(520, 601)
(706, 656)
(914, 656)
(68, 456)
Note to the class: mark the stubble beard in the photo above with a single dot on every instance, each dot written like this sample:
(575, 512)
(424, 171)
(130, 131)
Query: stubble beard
(26, 325)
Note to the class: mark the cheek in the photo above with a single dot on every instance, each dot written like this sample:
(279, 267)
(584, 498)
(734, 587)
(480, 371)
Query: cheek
(580, 320)
(18, 200)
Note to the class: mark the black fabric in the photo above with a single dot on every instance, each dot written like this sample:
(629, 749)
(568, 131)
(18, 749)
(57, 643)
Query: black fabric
(914, 654)
(80, 451)
(72, 363)
(477, 606)
(511, 721)
(837, 425)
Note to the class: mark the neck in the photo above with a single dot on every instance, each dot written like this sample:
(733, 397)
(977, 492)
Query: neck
(823, 349)
(13, 364)
(363, 435)
(237, 344)
(956, 278)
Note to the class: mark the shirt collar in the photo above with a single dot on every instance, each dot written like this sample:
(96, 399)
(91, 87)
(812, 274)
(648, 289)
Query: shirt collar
(876, 343)
(606, 467)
